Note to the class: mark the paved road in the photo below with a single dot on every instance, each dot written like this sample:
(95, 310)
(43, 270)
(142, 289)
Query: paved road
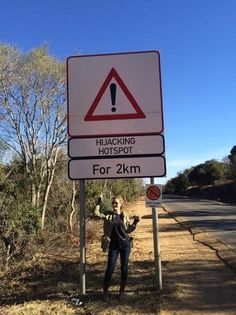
(217, 219)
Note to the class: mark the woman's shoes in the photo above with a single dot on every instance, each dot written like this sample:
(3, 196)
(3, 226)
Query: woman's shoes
(121, 296)
(105, 297)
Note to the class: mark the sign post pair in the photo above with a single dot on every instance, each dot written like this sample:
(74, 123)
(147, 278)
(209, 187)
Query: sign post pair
(115, 125)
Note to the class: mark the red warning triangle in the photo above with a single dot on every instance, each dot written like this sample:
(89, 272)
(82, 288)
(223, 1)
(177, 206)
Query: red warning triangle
(138, 112)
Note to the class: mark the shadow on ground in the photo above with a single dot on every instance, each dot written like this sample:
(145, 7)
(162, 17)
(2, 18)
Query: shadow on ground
(141, 289)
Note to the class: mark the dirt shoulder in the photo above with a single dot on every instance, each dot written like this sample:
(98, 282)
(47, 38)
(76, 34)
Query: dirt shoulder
(195, 280)
(203, 283)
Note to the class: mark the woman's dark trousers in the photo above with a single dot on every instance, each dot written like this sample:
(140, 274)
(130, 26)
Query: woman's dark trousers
(113, 254)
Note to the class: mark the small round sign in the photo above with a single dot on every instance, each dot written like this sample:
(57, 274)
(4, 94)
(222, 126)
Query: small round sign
(153, 192)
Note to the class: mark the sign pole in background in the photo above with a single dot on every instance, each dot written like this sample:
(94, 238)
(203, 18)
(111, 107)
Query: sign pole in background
(156, 244)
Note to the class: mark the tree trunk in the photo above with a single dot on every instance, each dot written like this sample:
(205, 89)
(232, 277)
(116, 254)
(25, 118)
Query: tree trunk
(48, 187)
(33, 195)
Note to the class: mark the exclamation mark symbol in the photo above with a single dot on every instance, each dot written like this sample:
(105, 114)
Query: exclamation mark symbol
(113, 96)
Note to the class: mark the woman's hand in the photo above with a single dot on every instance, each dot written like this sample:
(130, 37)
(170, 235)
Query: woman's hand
(100, 199)
(136, 220)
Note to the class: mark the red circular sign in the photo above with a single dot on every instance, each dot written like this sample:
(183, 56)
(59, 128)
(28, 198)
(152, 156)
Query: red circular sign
(153, 192)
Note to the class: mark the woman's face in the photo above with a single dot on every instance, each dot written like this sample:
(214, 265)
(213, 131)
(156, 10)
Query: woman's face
(116, 205)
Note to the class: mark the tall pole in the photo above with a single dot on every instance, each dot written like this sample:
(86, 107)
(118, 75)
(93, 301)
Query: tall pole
(157, 256)
(82, 236)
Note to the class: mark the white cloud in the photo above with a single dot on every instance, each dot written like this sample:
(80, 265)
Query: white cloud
(183, 163)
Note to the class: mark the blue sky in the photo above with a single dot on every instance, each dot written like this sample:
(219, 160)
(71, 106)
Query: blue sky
(196, 40)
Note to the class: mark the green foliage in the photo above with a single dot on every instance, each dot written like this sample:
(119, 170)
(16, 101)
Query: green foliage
(232, 163)
(177, 184)
(33, 126)
(129, 189)
(16, 183)
(33, 116)
(19, 216)
(207, 173)
(60, 197)
(202, 174)
(26, 218)
(169, 187)
(232, 155)
(16, 211)
(182, 182)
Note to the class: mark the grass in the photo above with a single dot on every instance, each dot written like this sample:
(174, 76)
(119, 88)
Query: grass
(40, 308)
(133, 304)
(46, 280)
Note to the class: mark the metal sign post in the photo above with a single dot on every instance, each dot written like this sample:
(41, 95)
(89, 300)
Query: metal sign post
(157, 256)
(82, 236)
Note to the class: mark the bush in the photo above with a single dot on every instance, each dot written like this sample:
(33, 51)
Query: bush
(207, 173)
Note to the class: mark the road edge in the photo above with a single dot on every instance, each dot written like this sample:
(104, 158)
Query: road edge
(222, 251)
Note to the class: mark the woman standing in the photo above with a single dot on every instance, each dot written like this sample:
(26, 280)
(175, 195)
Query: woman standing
(116, 239)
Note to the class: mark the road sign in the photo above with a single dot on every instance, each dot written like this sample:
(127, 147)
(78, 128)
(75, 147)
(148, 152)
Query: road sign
(113, 75)
(153, 195)
(114, 95)
(113, 168)
(116, 146)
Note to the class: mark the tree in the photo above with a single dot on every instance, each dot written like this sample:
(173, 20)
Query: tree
(232, 163)
(18, 219)
(129, 188)
(178, 183)
(33, 115)
(232, 155)
(3, 149)
(207, 173)
(181, 182)
(63, 198)
(169, 187)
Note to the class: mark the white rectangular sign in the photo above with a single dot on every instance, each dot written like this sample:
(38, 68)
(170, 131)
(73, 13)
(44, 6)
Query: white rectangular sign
(114, 94)
(113, 168)
(116, 146)
(153, 195)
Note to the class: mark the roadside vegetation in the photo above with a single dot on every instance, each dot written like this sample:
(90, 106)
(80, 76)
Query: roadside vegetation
(212, 179)
(39, 205)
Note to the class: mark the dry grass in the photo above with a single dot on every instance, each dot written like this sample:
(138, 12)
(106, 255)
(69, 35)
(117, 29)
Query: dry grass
(46, 282)
(40, 308)
(194, 280)
(131, 305)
